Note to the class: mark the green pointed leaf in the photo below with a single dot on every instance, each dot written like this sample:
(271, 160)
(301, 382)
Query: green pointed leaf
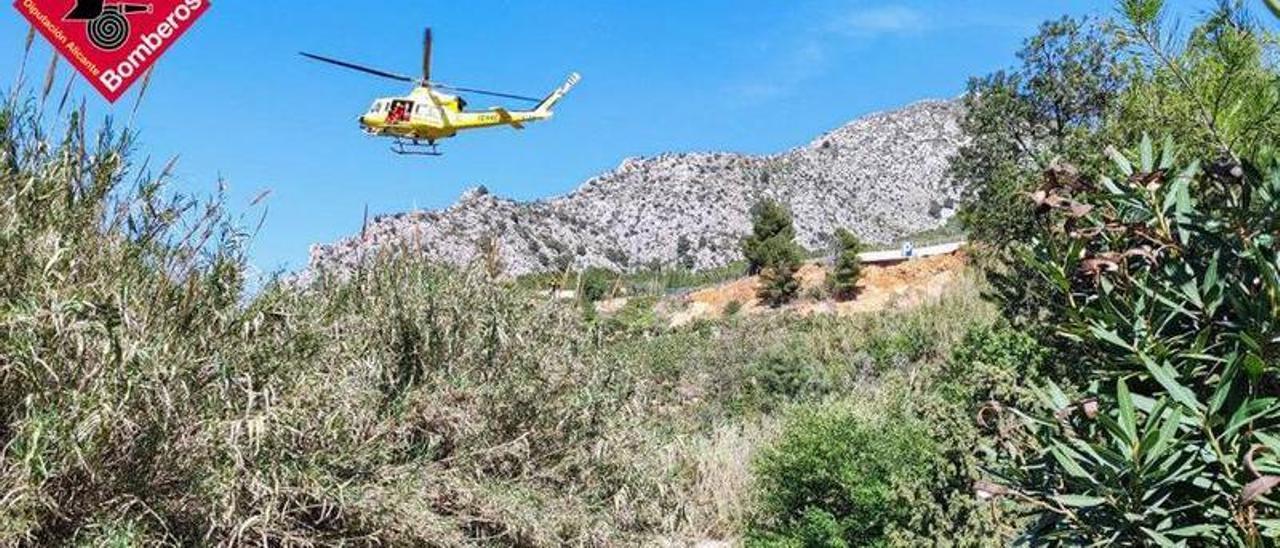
(1178, 197)
(1120, 161)
(1110, 336)
(1251, 410)
(1148, 162)
(1272, 442)
(1111, 187)
(1210, 278)
(1254, 366)
(1189, 174)
(1060, 454)
(1159, 538)
(1201, 530)
(1080, 501)
(1168, 153)
(1168, 434)
(1128, 418)
(1168, 379)
(1226, 385)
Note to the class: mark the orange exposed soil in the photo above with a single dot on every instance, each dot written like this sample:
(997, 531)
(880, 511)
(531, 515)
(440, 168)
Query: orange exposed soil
(881, 287)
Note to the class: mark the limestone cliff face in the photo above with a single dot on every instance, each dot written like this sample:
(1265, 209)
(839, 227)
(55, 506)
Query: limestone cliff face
(882, 176)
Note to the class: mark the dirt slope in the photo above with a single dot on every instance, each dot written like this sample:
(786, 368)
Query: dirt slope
(901, 285)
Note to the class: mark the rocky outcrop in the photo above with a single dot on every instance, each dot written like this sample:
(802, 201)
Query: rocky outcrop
(882, 176)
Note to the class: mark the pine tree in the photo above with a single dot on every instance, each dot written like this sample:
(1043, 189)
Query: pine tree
(843, 279)
(772, 241)
(771, 252)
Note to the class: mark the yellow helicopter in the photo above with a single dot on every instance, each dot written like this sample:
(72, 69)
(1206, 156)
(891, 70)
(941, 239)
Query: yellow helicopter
(428, 114)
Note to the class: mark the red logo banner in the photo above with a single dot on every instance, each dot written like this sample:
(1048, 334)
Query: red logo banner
(112, 42)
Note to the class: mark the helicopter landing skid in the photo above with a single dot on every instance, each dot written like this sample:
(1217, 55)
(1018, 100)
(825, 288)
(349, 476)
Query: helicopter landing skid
(415, 148)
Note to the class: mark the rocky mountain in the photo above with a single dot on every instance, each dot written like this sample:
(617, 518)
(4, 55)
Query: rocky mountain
(882, 176)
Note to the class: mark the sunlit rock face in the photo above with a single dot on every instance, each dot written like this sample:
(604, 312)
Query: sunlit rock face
(882, 176)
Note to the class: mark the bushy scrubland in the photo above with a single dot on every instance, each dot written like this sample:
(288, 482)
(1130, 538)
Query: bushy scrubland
(1117, 386)
(147, 398)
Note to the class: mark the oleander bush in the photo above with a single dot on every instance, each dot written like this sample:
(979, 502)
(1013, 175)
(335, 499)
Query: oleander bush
(1148, 278)
(1166, 286)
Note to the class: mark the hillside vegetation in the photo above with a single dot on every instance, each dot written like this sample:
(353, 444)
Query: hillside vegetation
(1105, 375)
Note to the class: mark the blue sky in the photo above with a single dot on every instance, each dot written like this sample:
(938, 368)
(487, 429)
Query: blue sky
(235, 100)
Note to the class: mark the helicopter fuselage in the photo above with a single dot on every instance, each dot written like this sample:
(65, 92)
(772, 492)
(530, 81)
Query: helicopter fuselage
(429, 115)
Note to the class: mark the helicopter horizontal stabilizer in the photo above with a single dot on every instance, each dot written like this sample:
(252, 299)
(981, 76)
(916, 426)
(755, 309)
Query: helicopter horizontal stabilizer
(505, 116)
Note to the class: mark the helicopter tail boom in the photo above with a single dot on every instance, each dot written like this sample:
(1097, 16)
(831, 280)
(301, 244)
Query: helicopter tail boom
(544, 108)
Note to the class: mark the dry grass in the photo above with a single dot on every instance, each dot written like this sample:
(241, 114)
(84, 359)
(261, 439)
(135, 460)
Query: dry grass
(719, 498)
(145, 400)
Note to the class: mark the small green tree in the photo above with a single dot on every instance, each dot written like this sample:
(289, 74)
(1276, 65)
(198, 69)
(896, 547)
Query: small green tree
(772, 239)
(771, 252)
(597, 283)
(684, 253)
(843, 279)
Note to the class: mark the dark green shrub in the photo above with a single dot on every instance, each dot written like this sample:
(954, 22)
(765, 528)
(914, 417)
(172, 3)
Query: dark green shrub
(839, 477)
(733, 308)
(597, 284)
(784, 373)
(636, 317)
(907, 343)
(994, 363)
(1069, 78)
(1152, 277)
(778, 285)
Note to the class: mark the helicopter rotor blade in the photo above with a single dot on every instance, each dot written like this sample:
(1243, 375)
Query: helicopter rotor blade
(426, 56)
(484, 92)
(359, 68)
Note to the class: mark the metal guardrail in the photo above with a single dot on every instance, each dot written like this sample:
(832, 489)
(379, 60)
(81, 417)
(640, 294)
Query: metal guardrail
(902, 254)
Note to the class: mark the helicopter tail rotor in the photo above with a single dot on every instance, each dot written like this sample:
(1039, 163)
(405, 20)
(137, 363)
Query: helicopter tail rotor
(544, 107)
